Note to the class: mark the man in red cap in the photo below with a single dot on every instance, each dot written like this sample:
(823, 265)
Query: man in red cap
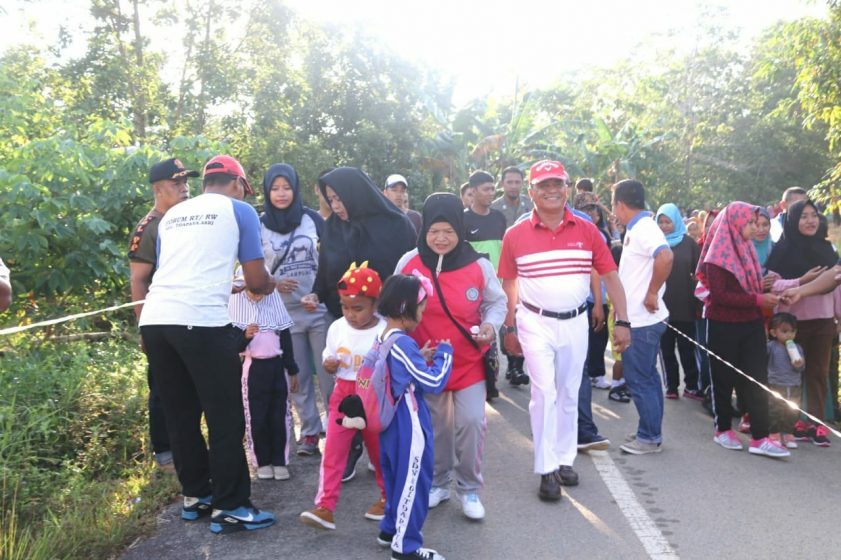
(545, 270)
(191, 345)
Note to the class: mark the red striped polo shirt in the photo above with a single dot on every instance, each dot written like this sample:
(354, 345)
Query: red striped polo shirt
(553, 266)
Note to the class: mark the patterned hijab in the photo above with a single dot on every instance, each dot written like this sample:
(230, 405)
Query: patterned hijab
(725, 247)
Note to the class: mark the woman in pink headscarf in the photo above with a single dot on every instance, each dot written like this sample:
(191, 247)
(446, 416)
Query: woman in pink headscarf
(729, 269)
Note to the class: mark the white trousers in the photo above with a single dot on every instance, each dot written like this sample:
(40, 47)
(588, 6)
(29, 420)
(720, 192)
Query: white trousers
(555, 351)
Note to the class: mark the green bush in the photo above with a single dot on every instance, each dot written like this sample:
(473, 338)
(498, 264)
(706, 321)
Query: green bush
(73, 456)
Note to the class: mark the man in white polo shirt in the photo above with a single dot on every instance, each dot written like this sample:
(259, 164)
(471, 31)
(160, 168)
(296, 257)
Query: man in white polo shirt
(645, 265)
(192, 347)
(545, 270)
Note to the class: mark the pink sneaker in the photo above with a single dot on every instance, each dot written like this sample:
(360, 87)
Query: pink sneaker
(803, 430)
(789, 441)
(768, 448)
(728, 440)
(821, 438)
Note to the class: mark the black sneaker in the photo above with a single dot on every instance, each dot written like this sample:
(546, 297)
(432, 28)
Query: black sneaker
(518, 377)
(419, 554)
(193, 508)
(567, 476)
(509, 373)
(352, 459)
(491, 393)
(550, 487)
(595, 443)
(620, 393)
(384, 539)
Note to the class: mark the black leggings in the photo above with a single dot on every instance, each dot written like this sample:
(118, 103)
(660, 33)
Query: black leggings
(688, 357)
(267, 395)
(596, 345)
(744, 346)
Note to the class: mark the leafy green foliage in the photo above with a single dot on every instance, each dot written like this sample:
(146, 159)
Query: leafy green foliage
(71, 195)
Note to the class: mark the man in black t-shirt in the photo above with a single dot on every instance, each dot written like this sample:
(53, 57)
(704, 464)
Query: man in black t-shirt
(484, 230)
(484, 226)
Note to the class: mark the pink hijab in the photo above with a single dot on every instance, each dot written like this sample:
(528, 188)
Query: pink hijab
(725, 247)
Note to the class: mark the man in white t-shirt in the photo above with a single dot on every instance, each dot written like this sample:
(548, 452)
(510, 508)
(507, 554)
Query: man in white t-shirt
(790, 196)
(192, 347)
(645, 265)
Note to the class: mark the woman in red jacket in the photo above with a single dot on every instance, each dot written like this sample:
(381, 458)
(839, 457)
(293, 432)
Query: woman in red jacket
(467, 308)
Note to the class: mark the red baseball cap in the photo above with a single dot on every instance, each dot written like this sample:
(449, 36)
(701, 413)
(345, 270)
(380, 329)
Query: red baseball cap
(227, 164)
(547, 169)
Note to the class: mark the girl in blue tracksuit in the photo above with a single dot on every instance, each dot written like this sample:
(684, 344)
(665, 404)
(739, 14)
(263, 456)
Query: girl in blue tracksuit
(406, 445)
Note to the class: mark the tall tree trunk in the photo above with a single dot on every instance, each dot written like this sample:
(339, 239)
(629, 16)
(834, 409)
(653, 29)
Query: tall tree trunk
(182, 84)
(133, 70)
(203, 70)
(140, 93)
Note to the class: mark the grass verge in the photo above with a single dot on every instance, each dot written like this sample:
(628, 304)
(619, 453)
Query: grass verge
(75, 474)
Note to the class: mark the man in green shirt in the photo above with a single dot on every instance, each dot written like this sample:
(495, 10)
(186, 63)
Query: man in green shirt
(513, 203)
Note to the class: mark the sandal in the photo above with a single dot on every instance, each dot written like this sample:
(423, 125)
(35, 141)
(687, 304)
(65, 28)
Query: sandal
(620, 394)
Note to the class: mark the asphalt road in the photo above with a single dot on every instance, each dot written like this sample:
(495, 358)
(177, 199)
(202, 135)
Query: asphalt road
(693, 500)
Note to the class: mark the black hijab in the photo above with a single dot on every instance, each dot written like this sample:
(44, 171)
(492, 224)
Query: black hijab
(796, 253)
(287, 219)
(376, 230)
(445, 207)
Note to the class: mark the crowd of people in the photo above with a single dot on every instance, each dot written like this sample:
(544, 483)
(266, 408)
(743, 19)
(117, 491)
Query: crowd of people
(248, 317)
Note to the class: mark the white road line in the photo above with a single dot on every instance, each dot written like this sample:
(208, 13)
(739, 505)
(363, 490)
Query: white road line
(652, 539)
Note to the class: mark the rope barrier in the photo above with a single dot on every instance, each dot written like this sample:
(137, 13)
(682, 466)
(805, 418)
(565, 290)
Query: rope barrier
(67, 318)
(73, 317)
(775, 394)
(768, 390)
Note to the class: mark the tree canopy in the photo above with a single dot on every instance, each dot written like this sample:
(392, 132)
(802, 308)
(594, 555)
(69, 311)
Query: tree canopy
(253, 79)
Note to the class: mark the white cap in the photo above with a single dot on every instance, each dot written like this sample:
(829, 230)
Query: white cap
(394, 179)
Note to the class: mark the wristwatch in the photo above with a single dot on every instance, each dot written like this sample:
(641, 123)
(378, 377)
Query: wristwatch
(508, 329)
(621, 323)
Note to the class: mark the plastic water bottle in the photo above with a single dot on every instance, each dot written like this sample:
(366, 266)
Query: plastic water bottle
(794, 354)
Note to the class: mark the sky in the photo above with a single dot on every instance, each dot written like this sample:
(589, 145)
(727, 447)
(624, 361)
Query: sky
(488, 46)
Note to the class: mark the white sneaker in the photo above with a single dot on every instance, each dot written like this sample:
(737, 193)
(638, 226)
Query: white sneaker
(437, 495)
(265, 473)
(280, 472)
(769, 448)
(600, 382)
(472, 506)
(728, 440)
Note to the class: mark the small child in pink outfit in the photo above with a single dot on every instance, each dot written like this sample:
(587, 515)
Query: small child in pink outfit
(268, 358)
(348, 340)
